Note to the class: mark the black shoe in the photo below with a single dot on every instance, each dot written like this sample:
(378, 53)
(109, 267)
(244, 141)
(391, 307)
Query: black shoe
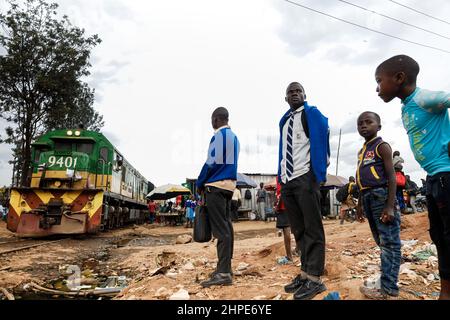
(212, 274)
(218, 279)
(294, 285)
(309, 290)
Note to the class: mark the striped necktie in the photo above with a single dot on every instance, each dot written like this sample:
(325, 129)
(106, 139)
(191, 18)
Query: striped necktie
(289, 159)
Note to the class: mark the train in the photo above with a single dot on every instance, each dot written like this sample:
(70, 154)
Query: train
(79, 183)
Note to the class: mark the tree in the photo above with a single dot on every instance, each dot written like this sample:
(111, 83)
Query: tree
(41, 85)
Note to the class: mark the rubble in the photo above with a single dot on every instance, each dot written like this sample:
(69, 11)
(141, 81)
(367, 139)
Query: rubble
(180, 295)
(183, 239)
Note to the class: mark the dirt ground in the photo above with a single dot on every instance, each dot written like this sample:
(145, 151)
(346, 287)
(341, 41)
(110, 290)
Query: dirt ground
(156, 267)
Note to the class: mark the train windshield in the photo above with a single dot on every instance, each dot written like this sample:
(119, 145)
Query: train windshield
(85, 147)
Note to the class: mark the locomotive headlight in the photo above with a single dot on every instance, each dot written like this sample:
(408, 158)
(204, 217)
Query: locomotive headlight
(77, 133)
(70, 133)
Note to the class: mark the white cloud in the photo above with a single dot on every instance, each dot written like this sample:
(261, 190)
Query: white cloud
(164, 66)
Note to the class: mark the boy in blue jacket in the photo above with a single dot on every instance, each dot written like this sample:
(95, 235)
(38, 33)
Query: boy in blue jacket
(303, 159)
(217, 180)
(426, 120)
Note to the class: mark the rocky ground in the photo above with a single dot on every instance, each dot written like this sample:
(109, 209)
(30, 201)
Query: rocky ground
(157, 267)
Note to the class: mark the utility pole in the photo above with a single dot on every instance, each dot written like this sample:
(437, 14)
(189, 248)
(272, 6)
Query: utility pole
(339, 147)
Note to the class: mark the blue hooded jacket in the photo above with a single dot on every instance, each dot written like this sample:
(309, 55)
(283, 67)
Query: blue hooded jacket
(319, 138)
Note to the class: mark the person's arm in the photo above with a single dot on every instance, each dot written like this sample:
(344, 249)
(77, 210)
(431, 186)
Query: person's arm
(359, 210)
(433, 101)
(385, 152)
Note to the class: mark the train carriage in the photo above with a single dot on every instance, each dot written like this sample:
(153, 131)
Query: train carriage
(79, 183)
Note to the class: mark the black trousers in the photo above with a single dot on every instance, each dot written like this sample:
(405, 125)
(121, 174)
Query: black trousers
(301, 198)
(234, 210)
(218, 202)
(438, 203)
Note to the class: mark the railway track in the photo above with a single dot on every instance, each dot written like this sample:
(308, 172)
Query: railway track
(19, 245)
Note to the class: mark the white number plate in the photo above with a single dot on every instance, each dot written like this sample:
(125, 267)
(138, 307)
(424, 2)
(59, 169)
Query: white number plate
(62, 162)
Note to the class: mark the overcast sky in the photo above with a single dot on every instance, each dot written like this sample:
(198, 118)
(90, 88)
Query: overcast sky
(164, 66)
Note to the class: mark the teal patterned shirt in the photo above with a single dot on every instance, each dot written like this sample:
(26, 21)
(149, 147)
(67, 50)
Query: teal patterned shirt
(426, 120)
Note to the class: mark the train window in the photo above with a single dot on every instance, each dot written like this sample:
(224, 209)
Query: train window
(37, 153)
(85, 147)
(63, 146)
(104, 154)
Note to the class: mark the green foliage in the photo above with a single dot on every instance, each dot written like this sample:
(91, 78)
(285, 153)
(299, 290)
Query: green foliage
(40, 84)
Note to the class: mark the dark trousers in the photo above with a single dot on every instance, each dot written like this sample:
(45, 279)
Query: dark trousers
(234, 210)
(301, 197)
(218, 202)
(438, 202)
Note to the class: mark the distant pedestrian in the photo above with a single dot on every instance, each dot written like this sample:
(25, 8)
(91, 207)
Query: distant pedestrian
(350, 202)
(152, 211)
(376, 178)
(217, 180)
(425, 117)
(397, 161)
(412, 189)
(261, 201)
(236, 202)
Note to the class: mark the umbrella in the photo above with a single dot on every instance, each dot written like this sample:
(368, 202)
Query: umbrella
(168, 191)
(244, 181)
(335, 181)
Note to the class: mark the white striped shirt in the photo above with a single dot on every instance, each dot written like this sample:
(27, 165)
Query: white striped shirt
(300, 148)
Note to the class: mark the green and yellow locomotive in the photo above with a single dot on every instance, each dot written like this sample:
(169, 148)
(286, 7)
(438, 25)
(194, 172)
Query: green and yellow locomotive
(79, 184)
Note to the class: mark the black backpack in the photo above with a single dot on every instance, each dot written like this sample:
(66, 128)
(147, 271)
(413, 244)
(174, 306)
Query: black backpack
(342, 193)
(248, 194)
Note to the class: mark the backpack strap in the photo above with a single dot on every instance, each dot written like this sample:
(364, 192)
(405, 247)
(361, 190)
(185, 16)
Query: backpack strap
(305, 124)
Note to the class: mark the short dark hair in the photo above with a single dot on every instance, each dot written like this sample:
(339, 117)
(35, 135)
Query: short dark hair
(221, 114)
(295, 82)
(377, 117)
(396, 153)
(351, 179)
(401, 63)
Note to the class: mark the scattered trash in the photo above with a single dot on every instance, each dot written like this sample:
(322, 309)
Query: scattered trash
(160, 270)
(7, 294)
(405, 269)
(431, 277)
(183, 239)
(432, 262)
(162, 292)
(373, 282)
(334, 295)
(115, 282)
(284, 260)
(347, 253)
(259, 298)
(264, 252)
(408, 243)
(426, 252)
(166, 258)
(242, 266)
(188, 266)
(180, 295)
(172, 275)
(435, 294)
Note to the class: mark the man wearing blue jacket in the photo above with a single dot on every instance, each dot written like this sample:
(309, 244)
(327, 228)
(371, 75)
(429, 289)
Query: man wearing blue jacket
(303, 159)
(217, 180)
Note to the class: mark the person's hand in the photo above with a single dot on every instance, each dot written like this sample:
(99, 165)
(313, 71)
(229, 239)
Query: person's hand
(359, 214)
(388, 215)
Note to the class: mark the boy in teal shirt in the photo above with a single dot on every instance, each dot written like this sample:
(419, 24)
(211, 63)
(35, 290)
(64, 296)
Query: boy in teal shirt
(426, 120)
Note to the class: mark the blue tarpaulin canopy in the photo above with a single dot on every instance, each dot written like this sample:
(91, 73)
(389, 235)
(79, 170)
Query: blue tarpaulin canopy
(244, 181)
